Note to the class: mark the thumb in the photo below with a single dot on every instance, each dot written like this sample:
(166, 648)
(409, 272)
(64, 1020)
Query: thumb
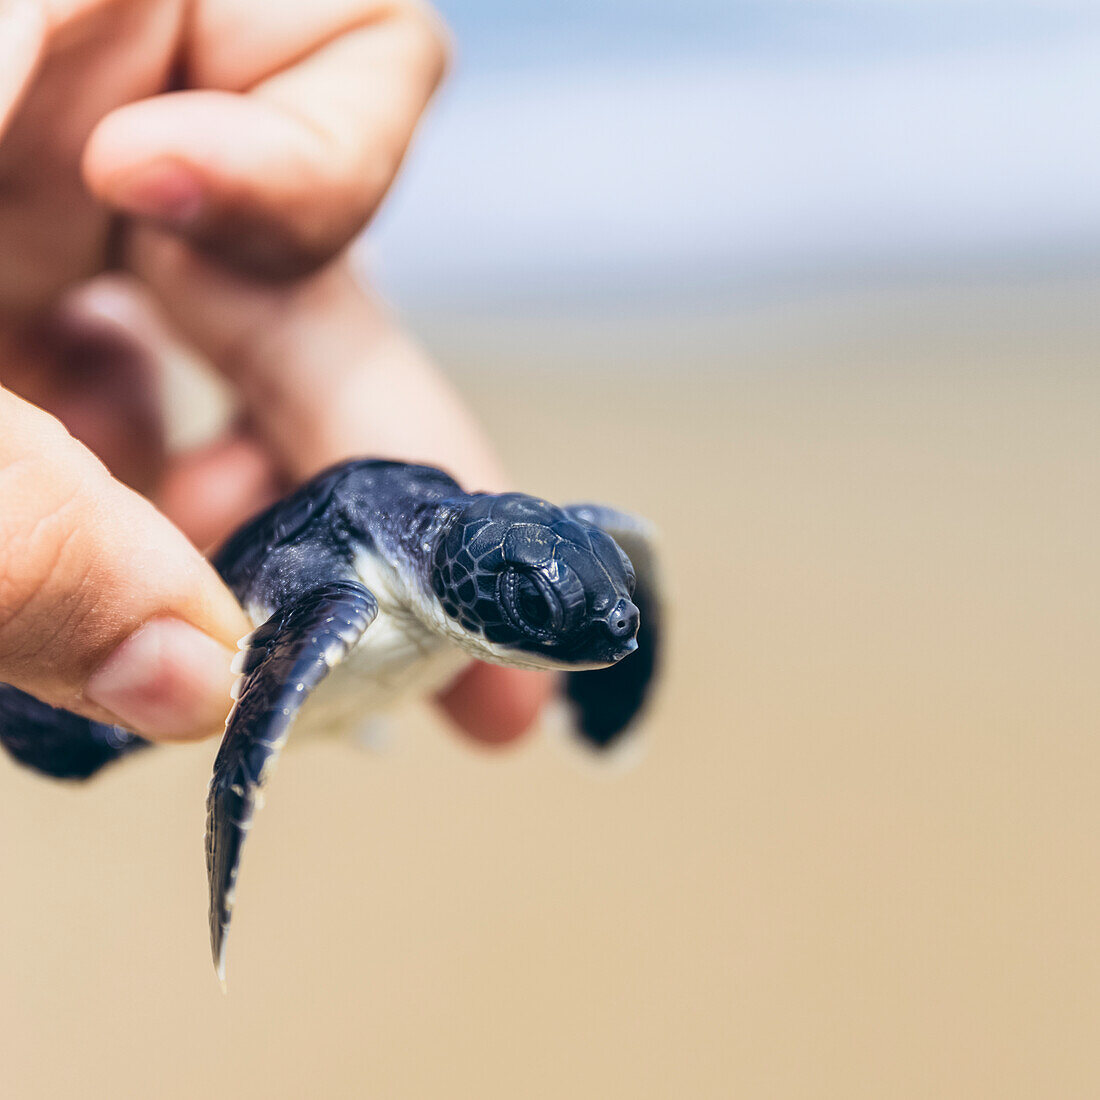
(105, 608)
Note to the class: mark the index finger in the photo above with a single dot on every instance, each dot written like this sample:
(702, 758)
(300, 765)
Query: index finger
(295, 122)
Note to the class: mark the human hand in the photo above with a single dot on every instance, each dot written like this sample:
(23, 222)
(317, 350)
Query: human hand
(272, 182)
(322, 372)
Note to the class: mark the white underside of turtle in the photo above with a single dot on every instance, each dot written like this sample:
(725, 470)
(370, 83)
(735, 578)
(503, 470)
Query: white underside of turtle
(396, 662)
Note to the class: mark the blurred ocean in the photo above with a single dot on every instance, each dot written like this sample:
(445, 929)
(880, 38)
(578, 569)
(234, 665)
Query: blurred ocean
(586, 154)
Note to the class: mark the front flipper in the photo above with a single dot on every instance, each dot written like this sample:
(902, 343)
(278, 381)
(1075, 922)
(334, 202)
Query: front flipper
(285, 660)
(606, 702)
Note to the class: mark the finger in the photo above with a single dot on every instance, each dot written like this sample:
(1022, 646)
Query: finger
(23, 27)
(326, 96)
(116, 346)
(84, 364)
(321, 369)
(494, 704)
(105, 608)
(211, 491)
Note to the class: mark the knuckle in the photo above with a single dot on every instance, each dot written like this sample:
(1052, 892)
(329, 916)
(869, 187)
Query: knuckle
(434, 38)
(441, 47)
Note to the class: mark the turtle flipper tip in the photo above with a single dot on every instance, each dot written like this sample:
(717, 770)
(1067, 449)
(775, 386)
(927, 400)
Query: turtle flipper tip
(219, 961)
(620, 754)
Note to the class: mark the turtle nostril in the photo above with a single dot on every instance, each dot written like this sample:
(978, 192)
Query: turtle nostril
(624, 619)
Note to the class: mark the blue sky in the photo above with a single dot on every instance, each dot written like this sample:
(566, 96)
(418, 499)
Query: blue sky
(496, 34)
(600, 149)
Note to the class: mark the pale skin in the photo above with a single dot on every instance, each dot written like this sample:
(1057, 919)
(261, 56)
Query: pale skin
(216, 216)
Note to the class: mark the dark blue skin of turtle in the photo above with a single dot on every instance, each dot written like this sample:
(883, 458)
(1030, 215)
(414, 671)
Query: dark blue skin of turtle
(527, 575)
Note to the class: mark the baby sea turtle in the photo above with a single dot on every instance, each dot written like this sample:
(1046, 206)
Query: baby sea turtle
(377, 580)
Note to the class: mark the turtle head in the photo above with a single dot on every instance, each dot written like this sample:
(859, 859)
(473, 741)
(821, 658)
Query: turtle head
(522, 582)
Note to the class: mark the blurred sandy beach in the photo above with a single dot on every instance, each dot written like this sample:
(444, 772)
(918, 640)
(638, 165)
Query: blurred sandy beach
(858, 859)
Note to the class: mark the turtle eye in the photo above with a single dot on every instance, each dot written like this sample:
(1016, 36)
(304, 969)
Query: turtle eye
(529, 603)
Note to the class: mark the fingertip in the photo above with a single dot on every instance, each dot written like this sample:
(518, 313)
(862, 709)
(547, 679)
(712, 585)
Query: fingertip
(276, 205)
(494, 704)
(167, 191)
(167, 680)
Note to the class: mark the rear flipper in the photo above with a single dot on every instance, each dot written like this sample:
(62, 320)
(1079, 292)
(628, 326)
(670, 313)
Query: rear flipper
(57, 742)
(606, 702)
